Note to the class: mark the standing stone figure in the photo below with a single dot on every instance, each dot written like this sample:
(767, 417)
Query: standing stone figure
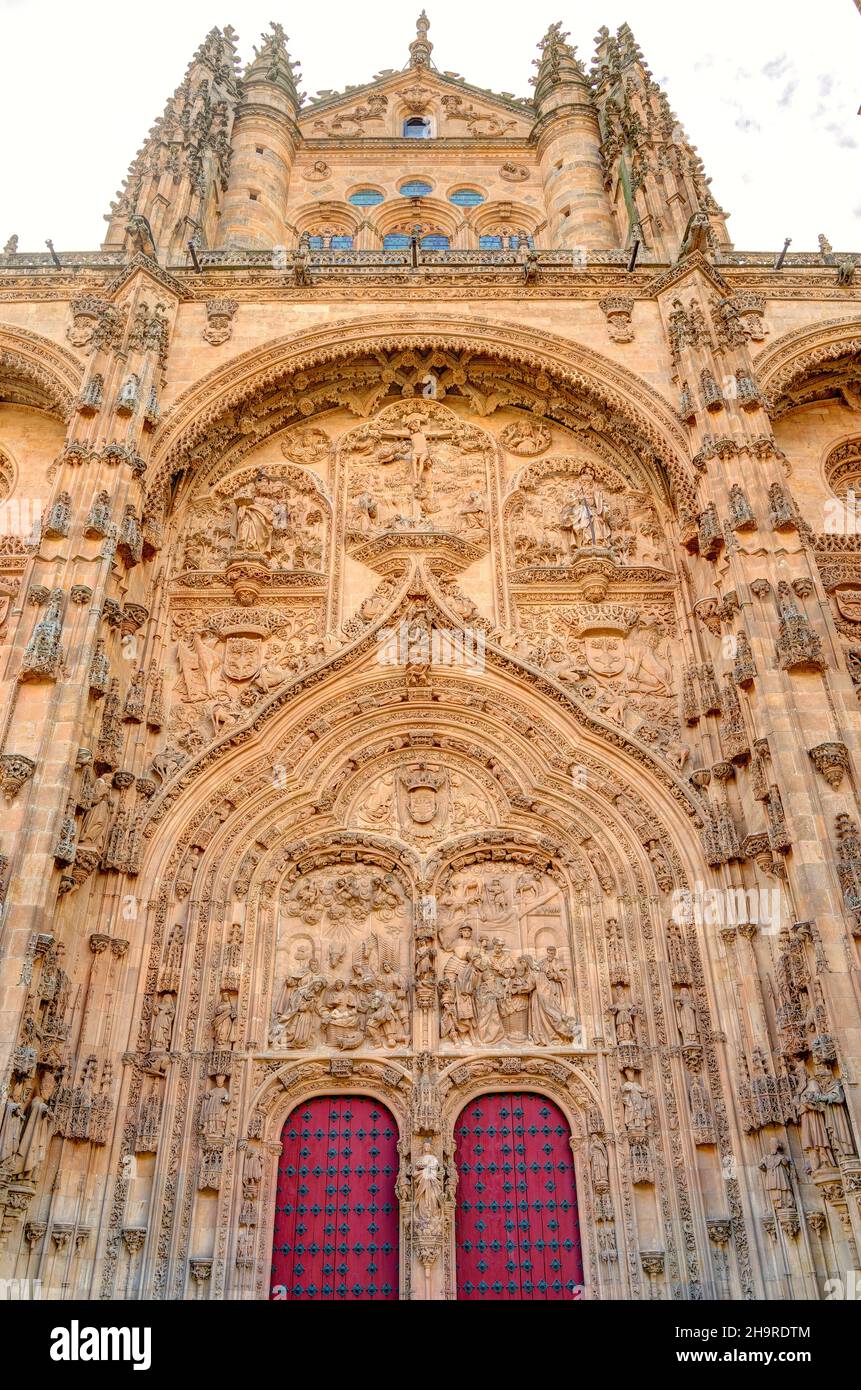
(777, 1166)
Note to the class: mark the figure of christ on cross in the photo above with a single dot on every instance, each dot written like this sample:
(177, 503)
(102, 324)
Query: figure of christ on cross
(419, 436)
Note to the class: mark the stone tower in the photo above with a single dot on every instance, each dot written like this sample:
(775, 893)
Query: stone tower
(431, 614)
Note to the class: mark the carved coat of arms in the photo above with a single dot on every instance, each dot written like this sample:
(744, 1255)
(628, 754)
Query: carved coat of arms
(423, 802)
(243, 658)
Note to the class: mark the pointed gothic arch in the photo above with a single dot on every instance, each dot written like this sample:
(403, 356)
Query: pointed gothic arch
(37, 372)
(796, 355)
(200, 421)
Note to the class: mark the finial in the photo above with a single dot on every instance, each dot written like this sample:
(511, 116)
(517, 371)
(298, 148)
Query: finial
(421, 47)
(556, 53)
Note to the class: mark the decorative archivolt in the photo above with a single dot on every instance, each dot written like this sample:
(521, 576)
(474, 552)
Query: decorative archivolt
(8, 475)
(335, 218)
(804, 351)
(362, 650)
(203, 420)
(842, 466)
(490, 217)
(433, 215)
(37, 372)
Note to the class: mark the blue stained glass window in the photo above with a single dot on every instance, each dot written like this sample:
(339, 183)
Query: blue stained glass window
(315, 243)
(366, 198)
(416, 189)
(396, 241)
(341, 243)
(435, 242)
(490, 243)
(466, 198)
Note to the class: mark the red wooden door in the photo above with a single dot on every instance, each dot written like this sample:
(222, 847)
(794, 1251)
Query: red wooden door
(336, 1214)
(517, 1232)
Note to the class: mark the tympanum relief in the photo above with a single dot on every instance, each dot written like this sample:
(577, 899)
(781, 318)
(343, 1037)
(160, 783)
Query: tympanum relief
(229, 659)
(505, 978)
(564, 510)
(620, 659)
(276, 515)
(417, 468)
(423, 803)
(342, 963)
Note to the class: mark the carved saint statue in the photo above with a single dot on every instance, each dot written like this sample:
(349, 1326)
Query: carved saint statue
(625, 1015)
(224, 1023)
(686, 1017)
(635, 1101)
(815, 1140)
(11, 1125)
(213, 1110)
(427, 1172)
(599, 1164)
(836, 1118)
(161, 1027)
(548, 1020)
(777, 1166)
(37, 1132)
(97, 821)
(586, 520)
(252, 528)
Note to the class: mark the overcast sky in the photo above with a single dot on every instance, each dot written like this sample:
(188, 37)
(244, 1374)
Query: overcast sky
(768, 90)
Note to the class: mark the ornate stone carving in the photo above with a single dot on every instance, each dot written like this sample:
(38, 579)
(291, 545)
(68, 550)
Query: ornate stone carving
(219, 320)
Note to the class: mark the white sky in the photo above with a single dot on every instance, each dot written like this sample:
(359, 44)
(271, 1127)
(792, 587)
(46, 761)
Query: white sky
(768, 90)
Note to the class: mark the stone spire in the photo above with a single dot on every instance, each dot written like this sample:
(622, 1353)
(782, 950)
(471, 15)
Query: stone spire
(558, 66)
(421, 48)
(265, 139)
(186, 156)
(272, 65)
(568, 141)
(646, 152)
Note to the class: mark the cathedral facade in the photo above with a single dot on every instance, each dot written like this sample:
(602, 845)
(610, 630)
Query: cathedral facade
(430, 604)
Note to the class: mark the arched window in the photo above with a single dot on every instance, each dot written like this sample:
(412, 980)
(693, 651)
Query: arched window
(417, 128)
(435, 241)
(466, 198)
(506, 240)
(415, 188)
(366, 198)
(396, 241)
(328, 240)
